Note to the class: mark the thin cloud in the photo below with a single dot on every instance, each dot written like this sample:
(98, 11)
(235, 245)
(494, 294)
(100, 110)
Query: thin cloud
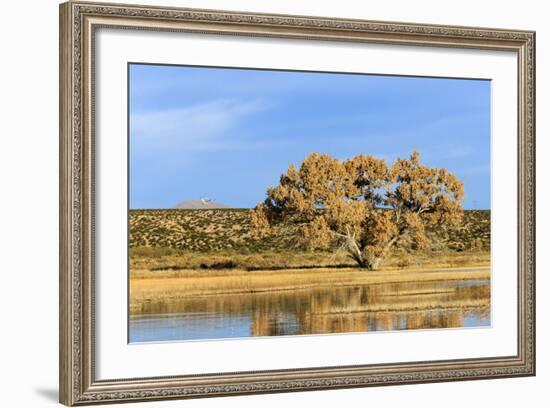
(192, 127)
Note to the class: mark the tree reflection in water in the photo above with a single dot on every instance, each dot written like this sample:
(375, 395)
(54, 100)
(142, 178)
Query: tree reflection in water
(396, 306)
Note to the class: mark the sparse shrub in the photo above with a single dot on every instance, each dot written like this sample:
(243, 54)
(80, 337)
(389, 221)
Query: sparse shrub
(476, 244)
(186, 231)
(404, 259)
(219, 265)
(152, 251)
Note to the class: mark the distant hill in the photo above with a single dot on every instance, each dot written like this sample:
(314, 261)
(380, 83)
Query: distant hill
(200, 204)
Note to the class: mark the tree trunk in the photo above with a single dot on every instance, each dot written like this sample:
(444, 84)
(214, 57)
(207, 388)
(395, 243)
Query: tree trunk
(362, 259)
(366, 260)
(355, 252)
(357, 257)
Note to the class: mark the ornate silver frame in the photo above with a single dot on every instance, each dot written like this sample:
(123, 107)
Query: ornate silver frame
(78, 22)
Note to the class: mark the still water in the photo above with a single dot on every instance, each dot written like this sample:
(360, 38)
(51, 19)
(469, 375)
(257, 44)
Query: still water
(396, 306)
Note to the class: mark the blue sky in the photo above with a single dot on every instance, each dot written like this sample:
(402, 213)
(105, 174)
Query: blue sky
(228, 134)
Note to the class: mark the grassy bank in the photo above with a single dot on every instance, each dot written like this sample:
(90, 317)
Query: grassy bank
(146, 286)
(163, 259)
(183, 254)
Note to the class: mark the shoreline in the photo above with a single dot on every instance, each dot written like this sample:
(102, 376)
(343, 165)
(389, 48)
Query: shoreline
(188, 284)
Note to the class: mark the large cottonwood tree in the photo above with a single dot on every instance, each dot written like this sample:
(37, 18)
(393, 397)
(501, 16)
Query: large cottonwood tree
(361, 204)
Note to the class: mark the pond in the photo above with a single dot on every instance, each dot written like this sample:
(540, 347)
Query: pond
(367, 308)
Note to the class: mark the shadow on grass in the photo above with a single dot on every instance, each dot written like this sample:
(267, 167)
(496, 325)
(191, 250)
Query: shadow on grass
(235, 265)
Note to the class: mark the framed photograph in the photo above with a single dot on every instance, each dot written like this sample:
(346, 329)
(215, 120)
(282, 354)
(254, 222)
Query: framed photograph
(256, 203)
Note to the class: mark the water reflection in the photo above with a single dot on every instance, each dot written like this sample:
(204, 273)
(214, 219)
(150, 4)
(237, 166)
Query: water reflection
(395, 306)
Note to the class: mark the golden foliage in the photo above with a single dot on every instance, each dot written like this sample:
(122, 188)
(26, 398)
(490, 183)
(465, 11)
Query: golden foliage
(259, 222)
(363, 204)
(316, 234)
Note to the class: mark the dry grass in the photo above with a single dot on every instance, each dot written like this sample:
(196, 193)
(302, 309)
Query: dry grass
(172, 285)
(144, 260)
(416, 306)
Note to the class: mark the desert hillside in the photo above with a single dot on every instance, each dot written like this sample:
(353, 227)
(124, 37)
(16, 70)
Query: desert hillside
(218, 229)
